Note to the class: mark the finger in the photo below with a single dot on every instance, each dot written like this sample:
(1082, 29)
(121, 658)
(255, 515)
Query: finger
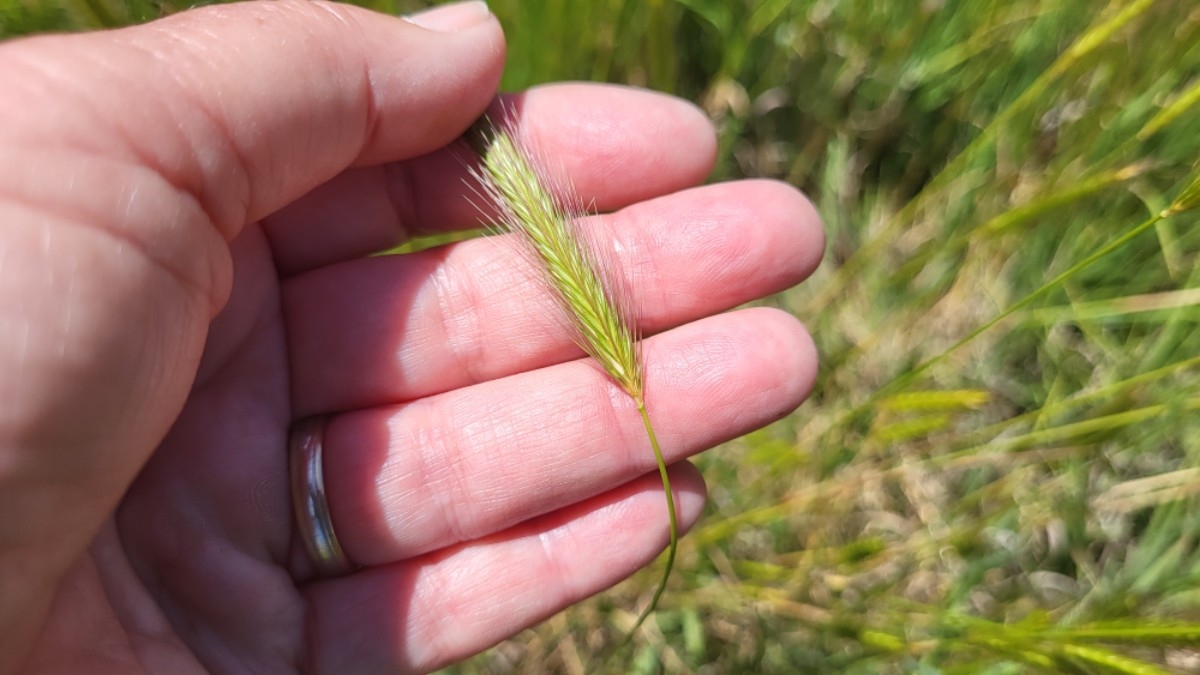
(422, 614)
(615, 145)
(388, 329)
(405, 480)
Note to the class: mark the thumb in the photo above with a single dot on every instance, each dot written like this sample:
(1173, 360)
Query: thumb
(131, 158)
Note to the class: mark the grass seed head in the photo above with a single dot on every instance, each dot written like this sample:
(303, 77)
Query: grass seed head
(588, 291)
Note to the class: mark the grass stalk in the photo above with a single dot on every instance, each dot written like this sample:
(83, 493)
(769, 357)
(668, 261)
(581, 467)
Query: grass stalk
(1113, 246)
(1104, 28)
(673, 545)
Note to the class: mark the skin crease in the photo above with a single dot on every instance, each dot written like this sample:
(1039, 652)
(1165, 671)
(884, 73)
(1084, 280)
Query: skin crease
(187, 206)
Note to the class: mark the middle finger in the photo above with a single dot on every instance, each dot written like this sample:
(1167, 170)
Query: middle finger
(384, 330)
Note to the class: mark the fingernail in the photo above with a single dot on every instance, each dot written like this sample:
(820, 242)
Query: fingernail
(452, 17)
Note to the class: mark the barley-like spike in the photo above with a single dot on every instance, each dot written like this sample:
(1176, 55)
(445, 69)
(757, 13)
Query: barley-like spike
(602, 322)
(588, 293)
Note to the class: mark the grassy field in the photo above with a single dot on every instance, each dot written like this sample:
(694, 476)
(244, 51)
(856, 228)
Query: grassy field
(1000, 469)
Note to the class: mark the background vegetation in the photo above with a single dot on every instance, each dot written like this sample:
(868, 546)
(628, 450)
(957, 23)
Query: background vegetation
(998, 472)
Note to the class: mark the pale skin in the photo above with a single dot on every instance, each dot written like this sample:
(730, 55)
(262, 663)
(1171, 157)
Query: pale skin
(185, 214)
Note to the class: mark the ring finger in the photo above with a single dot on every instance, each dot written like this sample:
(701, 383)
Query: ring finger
(411, 478)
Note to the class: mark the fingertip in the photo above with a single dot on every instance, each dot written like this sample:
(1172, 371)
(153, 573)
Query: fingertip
(807, 359)
(452, 16)
(790, 212)
(720, 377)
(810, 228)
(780, 232)
(720, 245)
(703, 134)
(690, 128)
(787, 355)
(429, 93)
(620, 144)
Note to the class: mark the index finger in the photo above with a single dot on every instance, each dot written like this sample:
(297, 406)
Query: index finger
(614, 146)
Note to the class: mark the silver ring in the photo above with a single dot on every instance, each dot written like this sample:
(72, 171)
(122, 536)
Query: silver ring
(305, 447)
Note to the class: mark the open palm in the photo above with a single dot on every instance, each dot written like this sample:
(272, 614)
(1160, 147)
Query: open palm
(481, 474)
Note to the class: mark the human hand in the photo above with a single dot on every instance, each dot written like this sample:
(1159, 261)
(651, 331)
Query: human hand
(186, 208)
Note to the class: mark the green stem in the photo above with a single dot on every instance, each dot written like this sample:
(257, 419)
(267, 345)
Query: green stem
(674, 543)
